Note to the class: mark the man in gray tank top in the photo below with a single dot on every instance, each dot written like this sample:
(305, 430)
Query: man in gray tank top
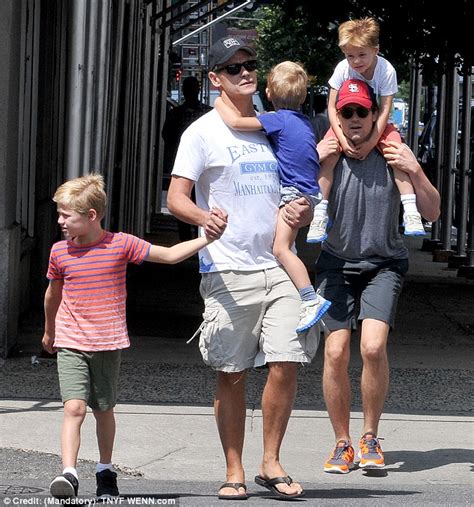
(362, 265)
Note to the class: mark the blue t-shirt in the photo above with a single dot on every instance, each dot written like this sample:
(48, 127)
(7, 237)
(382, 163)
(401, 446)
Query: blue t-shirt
(292, 139)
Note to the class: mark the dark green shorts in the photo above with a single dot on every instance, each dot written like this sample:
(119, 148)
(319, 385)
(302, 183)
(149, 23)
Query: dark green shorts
(89, 376)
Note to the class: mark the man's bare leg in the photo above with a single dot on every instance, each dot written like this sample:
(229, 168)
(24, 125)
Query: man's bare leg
(277, 404)
(229, 411)
(375, 372)
(336, 382)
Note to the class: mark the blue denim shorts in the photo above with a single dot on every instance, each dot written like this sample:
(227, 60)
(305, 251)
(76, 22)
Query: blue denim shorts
(289, 194)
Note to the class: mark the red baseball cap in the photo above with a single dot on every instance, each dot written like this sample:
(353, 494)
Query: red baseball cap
(355, 91)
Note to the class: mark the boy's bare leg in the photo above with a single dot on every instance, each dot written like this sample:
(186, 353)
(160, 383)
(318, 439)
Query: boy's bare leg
(403, 182)
(105, 431)
(277, 404)
(229, 411)
(285, 237)
(326, 174)
(74, 414)
(411, 216)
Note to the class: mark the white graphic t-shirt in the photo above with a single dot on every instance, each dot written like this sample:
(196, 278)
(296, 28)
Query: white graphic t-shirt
(237, 172)
(384, 81)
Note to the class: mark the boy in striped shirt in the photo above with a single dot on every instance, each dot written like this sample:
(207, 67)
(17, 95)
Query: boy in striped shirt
(85, 319)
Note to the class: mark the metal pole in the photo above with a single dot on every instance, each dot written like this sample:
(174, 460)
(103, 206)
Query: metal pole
(412, 104)
(76, 79)
(163, 80)
(451, 145)
(90, 76)
(111, 128)
(416, 108)
(213, 22)
(440, 117)
(103, 69)
(154, 133)
(465, 157)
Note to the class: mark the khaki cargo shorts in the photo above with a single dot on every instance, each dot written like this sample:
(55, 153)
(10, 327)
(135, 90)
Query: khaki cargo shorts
(250, 319)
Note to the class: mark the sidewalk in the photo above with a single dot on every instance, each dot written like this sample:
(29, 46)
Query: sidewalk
(167, 442)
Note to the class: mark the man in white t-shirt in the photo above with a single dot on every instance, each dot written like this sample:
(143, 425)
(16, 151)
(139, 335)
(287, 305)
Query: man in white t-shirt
(251, 306)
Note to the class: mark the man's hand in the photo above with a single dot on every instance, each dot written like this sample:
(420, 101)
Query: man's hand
(399, 156)
(215, 224)
(297, 213)
(48, 342)
(327, 148)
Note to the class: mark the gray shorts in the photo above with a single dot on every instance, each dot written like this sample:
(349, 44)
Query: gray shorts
(250, 319)
(372, 287)
(89, 376)
(289, 194)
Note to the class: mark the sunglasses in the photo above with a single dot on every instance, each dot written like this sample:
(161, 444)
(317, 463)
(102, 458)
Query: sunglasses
(348, 112)
(234, 68)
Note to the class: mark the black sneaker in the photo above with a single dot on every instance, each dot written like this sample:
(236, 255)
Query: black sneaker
(106, 484)
(64, 486)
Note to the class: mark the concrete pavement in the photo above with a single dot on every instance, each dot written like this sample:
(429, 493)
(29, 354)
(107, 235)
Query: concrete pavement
(167, 441)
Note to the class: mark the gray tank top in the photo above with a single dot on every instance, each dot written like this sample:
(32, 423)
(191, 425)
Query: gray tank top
(364, 206)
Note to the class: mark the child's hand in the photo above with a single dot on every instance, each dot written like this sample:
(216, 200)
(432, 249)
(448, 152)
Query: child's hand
(48, 342)
(327, 148)
(215, 224)
(364, 149)
(350, 150)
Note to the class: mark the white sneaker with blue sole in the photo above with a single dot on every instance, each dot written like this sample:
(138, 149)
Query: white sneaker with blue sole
(413, 224)
(311, 312)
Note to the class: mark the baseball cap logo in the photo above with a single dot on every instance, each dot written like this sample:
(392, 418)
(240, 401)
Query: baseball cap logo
(228, 43)
(353, 88)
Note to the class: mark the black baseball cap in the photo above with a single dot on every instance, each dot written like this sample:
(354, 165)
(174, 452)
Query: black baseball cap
(225, 48)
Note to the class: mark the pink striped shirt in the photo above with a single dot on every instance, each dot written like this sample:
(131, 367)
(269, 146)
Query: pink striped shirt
(92, 314)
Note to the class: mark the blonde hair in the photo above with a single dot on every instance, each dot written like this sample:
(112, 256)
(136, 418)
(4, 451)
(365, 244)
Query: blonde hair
(82, 194)
(287, 83)
(361, 33)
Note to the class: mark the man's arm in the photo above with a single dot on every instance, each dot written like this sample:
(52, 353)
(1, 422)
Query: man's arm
(233, 119)
(181, 205)
(52, 300)
(428, 200)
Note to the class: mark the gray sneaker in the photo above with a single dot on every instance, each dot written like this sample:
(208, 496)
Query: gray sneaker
(317, 229)
(64, 486)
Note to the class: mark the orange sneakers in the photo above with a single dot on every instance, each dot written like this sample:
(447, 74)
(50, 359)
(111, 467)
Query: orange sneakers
(370, 453)
(341, 460)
